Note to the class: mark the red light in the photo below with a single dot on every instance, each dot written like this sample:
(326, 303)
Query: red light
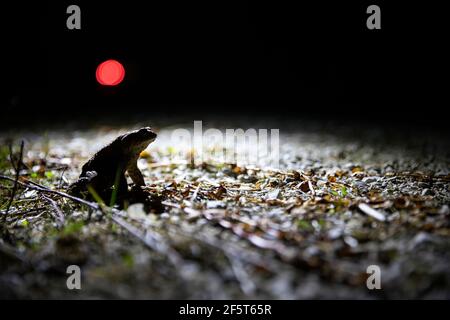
(110, 73)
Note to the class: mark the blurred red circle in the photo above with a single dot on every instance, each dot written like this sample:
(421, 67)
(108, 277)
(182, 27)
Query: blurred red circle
(110, 73)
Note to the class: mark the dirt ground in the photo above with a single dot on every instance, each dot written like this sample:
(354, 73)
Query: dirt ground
(343, 197)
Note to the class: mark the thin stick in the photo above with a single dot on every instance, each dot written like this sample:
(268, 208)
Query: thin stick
(154, 241)
(59, 215)
(151, 239)
(371, 212)
(38, 187)
(195, 194)
(230, 250)
(61, 177)
(311, 188)
(26, 212)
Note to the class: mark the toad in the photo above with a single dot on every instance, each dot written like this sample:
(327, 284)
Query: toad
(106, 169)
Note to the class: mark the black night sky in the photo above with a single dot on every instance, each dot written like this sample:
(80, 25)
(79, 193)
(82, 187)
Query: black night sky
(207, 57)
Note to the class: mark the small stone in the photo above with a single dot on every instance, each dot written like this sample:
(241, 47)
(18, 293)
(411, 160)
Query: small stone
(370, 179)
(362, 186)
(350, 241)
(427, 192)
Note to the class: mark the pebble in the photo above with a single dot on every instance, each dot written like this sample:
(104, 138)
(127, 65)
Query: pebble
(427, 192)
(370, 179)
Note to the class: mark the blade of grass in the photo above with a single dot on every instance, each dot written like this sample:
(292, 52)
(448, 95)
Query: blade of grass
(112, 202)
(95, 195)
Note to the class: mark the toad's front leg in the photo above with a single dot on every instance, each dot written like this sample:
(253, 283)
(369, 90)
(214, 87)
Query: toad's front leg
(135, 174)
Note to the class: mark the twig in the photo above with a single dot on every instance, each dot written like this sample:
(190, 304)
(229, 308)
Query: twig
(151, 239)
(154, 241)
(38, 187)
(59, 215)
(170, 204)
(61, 177)
(311, 188)
(195, 194)
(27, 212)
(17, 169)
(230, 250)
(371, 212)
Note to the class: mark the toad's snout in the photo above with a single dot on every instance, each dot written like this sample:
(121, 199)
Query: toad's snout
(148, 133)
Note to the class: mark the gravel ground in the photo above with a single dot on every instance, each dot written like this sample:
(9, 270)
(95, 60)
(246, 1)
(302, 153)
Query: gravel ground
(341, 198)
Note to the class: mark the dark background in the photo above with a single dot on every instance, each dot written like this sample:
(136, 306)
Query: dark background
(199, 58)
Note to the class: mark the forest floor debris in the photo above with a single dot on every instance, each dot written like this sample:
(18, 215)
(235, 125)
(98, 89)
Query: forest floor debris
(308, 229)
